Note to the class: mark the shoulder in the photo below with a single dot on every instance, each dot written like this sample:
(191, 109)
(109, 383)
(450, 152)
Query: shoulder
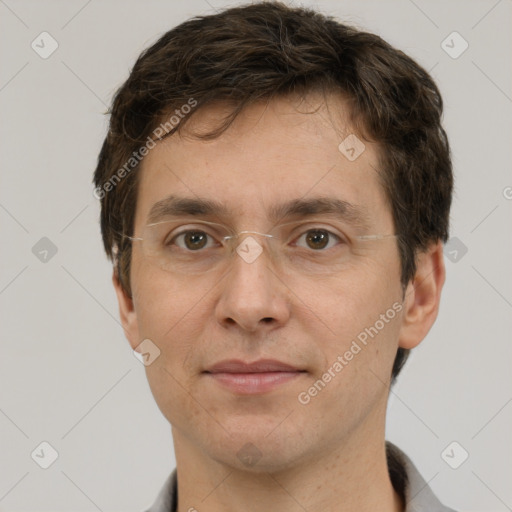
(167, 498)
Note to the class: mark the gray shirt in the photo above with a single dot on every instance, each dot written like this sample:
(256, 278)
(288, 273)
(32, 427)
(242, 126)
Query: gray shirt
(407, 481)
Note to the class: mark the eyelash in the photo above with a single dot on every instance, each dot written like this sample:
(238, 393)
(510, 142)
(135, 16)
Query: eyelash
(340, 239)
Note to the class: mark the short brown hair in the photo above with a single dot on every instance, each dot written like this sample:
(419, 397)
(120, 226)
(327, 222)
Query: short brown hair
(265, 50)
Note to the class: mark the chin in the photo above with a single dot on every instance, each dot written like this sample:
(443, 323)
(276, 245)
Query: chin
(258, 449)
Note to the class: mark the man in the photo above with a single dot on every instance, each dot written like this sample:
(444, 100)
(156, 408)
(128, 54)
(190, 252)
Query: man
(275, 191)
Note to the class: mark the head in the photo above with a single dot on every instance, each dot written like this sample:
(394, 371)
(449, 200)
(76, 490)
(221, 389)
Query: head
(247, 108)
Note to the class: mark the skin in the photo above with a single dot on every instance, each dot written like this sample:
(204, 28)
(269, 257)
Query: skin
(326, 455)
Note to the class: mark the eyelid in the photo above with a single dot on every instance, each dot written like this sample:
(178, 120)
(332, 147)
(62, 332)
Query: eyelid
(182, 230)
(301, 230)
(177, 221)
(341, 240)
(300, 224)
(318, 225)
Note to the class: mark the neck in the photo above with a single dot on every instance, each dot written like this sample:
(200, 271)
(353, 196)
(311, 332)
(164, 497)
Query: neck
(353, 476)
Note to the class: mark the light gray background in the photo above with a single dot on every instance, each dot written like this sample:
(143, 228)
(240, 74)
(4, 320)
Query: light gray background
(67, 374)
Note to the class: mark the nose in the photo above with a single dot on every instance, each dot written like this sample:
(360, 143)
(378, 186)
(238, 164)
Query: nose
(252, 295)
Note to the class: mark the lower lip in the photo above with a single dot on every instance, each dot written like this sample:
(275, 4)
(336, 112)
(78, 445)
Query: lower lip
(253, 383)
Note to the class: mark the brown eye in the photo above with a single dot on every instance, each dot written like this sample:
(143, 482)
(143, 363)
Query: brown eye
(191, 240)
(318, 239)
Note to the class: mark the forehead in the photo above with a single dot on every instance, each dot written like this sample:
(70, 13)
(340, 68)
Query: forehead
(274, 152)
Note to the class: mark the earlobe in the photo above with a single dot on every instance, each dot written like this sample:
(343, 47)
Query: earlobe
(422, 297)
(126, 312)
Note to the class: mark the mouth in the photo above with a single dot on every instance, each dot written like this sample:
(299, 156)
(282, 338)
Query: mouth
(252, 378)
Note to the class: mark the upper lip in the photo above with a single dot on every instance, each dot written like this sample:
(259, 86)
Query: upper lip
(260, 366)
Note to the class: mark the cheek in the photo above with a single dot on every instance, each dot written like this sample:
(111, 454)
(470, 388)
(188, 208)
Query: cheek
(357, 353)
(170, 313)
(359, 314)
(165, 304)
(353, 300)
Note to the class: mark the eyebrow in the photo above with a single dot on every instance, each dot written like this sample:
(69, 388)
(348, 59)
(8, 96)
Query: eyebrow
(174, 206)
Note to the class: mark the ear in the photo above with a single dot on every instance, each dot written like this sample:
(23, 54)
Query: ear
(126, 313)
(422, 296)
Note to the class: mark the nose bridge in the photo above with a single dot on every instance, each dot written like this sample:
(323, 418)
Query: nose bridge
(249, 245)
(252, 295)
(252, 254)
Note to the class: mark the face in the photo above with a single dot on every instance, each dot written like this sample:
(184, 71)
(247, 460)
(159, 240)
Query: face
(272, 155)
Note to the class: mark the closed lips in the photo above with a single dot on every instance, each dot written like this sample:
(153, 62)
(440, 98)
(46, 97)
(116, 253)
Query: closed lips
(260, 366)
